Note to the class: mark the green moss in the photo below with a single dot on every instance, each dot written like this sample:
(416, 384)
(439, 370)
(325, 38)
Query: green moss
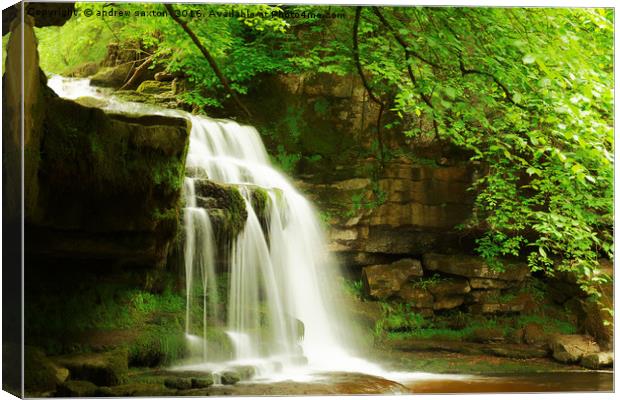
(154, 87)
(159, 344)
(260, 201)
(226, 208)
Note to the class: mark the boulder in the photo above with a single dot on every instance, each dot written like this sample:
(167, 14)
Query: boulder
(449, 287)
(383, 281)
(77, 388)
(230, 377)
(598, 360)
(474, 267)
(571, 348)
(104, 369)
(415, 296)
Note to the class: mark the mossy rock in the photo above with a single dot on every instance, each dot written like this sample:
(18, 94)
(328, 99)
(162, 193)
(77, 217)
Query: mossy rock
(230, 377)
(225, 205)
(111, 76)
(154, 87)
(113, 179)
(103, 369)
(260, 201)
(40, 373)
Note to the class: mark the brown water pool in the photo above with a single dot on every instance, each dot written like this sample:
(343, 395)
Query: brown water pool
(539, 382)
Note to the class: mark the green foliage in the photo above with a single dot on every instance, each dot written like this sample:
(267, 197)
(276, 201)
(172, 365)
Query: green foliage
(354, 288)
(398, 317)
(429, 281)
(286, 161)
(527, 92)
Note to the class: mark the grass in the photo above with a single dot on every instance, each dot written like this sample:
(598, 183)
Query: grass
(354, 288)
(400, 321)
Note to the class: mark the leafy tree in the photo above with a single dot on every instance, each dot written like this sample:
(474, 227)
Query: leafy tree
(527, 92)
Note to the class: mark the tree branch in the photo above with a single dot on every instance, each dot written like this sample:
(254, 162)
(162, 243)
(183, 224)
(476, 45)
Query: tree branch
(358, 65)
(209, 58)
(138, 71)
(408, 53)
(401, 41)
(509, 98)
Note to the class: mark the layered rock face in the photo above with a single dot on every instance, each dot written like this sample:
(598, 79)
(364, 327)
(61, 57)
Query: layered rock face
(442, 282)
(408, 203)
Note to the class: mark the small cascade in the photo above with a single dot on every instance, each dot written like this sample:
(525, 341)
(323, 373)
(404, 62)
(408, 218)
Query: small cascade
(199, 258)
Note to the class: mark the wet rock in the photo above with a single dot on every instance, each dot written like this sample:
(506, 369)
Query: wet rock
(178, 383)
(447, 302)
(450, 287)
(40, 373)
(202, 382)
(598, 360)
(103, 369)
(383, 281)
(230, 378)
(245, 372)
(77, 388)
(534, 334)
(473, 267)
(415, 296)
(571, 348)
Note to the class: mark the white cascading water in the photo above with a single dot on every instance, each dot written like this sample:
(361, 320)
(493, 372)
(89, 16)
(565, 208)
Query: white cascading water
(280, 317)
(280, 280)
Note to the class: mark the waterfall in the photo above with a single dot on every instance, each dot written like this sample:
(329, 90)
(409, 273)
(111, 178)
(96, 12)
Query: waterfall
(279, 278)
(280, 309)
